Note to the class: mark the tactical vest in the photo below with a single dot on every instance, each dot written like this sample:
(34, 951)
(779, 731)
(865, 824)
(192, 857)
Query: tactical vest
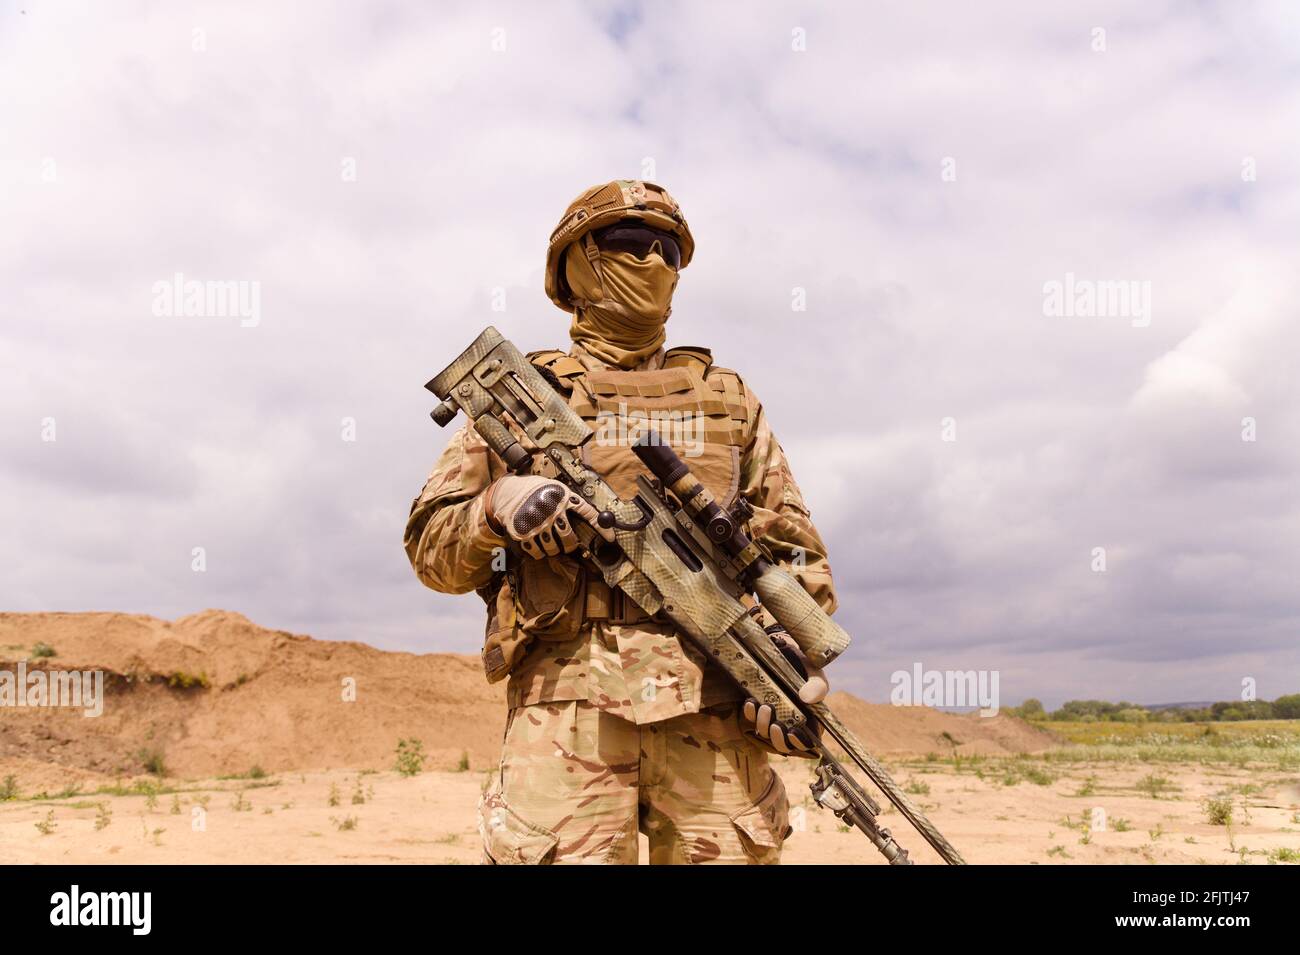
(694, 406)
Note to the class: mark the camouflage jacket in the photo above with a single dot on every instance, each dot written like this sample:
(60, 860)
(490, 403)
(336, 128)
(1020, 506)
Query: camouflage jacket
(640, 670)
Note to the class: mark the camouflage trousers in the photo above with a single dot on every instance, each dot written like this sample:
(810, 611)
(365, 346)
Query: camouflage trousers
(577, 784)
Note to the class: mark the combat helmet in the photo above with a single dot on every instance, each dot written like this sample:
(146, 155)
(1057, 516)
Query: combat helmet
(604, 205)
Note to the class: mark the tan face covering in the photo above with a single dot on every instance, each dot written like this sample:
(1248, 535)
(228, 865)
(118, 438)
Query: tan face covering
(622, 320)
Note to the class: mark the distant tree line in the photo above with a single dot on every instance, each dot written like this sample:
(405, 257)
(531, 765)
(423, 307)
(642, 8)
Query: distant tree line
(1100, 711)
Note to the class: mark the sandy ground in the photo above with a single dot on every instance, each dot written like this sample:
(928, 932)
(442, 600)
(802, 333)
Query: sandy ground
(429, 819)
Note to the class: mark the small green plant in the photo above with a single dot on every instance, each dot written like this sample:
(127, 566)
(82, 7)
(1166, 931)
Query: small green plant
(1038, 776)
(152, 761)
(9, 788)
(1089, 787)
(42, 650)
(358, 795)
(1059, 851)
(1157, 832)
(410, 757)
(917, 787)
(149, 789)
(103, 816)
(185, 681)
(47, 825)
(1218, 811)
(335, 798)
(1155, 786)
(241, 803)
(346, 824)
(1122, 824)
(463, 765)
(1284, 854)
(257, 772)
(176, 805)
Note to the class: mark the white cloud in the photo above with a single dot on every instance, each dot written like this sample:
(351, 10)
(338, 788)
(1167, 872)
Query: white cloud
(818, 169)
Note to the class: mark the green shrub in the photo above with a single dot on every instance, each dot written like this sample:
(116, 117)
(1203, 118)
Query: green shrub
(1219, 811)
(152, 760)
(1154, 785)
(185, 681)
(410, 757)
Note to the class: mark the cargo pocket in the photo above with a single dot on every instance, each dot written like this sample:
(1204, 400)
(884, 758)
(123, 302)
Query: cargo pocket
(764, 826)
(508, 838)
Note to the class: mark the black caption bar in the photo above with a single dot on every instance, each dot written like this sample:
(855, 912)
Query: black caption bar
(142, 905)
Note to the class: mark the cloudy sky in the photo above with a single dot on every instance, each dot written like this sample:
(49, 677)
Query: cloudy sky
(922, 173)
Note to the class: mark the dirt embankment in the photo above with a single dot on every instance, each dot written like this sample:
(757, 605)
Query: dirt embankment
(213, 694)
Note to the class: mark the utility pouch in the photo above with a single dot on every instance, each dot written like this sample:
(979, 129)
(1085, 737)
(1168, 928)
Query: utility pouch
(550, 603)
(504, 642)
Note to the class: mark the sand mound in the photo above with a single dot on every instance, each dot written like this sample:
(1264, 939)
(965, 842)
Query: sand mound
(213, 694)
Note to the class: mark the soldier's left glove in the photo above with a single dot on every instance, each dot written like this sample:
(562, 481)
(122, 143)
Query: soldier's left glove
(781, 738)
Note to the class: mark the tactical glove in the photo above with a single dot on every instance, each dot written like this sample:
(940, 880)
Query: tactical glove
(535, 511)
(777, 735)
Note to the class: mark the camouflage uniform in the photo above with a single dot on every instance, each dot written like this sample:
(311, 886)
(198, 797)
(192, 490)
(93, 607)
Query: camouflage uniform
(616, 724)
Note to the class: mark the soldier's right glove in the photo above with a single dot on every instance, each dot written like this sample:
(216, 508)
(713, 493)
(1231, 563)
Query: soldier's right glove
(537, 512)
(775, 734)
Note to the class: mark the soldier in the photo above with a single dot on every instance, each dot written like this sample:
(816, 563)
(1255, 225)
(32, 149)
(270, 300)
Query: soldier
(616, 724)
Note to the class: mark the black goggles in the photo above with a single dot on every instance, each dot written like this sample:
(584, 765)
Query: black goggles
(640, 240)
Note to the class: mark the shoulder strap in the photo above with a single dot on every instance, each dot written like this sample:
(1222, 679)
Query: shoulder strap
(697, 359)
(558, 364)
(730, 387)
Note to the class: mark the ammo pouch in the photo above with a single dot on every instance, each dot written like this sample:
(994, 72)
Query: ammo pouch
(550, 600)
(503, 642)
(542, 599)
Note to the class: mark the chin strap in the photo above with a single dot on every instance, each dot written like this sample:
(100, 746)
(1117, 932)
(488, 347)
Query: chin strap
(593, 256)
